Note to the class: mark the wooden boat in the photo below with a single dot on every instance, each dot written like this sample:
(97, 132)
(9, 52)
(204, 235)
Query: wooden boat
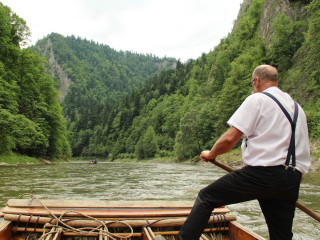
(89, 219)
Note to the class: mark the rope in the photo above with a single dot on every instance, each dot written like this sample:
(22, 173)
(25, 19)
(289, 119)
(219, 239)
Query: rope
(102, 228)
(35, 227)
(221, 221)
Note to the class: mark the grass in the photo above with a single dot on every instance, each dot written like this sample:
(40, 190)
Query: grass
(14, 158)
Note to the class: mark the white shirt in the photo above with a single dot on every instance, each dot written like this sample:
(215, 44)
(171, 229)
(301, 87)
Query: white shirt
(267, 131)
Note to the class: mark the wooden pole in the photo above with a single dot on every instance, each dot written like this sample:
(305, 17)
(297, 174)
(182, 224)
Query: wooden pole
(299, 205)
(174, 222)
(96, 234)
(308, 211)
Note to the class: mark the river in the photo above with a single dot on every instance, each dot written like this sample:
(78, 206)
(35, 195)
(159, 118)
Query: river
(145, 181)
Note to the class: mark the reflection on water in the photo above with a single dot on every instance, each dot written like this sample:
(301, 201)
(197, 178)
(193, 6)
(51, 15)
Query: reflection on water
(144, 181)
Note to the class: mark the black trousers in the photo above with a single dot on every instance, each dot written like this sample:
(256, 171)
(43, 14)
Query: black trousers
(275, 188)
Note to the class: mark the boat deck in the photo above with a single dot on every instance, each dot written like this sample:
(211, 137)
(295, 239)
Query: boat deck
(88, 219)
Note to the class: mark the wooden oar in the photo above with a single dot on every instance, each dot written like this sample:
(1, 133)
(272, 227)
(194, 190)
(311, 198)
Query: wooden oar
(299, 205)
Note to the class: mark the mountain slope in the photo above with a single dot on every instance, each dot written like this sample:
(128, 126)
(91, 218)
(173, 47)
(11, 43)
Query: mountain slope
(97, 66)
(183, 111)
(92, 77)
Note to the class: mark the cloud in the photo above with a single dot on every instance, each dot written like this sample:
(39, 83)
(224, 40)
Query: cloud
(175, 28)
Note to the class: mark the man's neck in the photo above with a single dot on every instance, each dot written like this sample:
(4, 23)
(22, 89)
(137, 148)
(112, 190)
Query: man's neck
(267, 85)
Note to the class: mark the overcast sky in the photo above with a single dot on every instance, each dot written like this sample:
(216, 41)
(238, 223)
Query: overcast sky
(174, 28)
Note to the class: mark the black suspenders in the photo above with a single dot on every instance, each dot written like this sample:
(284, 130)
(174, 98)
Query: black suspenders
(292, 147)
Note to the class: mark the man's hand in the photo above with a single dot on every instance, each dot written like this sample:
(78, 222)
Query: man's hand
(206, 156)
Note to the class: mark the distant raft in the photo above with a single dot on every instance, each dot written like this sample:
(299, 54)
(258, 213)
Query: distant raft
(94, 161)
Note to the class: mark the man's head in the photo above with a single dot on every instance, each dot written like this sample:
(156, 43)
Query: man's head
(263, 77)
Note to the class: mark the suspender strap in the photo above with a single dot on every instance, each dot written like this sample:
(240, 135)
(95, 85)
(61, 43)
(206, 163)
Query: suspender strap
(292, 146)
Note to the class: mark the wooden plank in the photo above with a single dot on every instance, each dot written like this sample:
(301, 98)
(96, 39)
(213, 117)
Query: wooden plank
(74, 234)
(106, 212)
(235, 230)
(96, 234)
(240, 232)
(172, 222)
(6, 230)
(98, 213)
(97, 203)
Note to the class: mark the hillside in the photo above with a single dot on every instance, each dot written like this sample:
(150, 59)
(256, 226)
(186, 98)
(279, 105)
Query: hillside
(31, 121)
(91, 77)
(180, 112)
(76, 61)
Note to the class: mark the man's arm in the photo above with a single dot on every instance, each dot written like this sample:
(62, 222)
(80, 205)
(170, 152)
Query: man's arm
(225, 143)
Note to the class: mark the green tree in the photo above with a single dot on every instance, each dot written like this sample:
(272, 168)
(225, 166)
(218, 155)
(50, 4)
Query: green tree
(150, 144)
(32, 120)
(29, 137)
(187, 142)
(7, 141)
(139, 149)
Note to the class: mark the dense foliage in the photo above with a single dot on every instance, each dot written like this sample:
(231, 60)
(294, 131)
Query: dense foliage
(303, 78)
(100, 76)
(31, 120)
(183, 111)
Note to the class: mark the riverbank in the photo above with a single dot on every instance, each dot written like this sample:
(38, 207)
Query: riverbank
(19, 159)
(232, 158)
(14, 158)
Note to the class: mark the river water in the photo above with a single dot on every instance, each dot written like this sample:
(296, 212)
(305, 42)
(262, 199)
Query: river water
(145, 181)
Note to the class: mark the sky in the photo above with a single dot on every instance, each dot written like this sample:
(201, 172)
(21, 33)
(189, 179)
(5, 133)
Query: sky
(182, 29)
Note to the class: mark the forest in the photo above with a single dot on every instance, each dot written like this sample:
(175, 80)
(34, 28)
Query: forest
(129, 105)
(31, 120)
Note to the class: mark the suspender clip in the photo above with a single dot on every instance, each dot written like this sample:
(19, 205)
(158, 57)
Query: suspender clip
(293, 168)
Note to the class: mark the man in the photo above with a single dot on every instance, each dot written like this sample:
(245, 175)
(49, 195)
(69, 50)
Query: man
(275, 159)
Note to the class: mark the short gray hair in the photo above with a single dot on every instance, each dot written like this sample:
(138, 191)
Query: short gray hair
(266, 72)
